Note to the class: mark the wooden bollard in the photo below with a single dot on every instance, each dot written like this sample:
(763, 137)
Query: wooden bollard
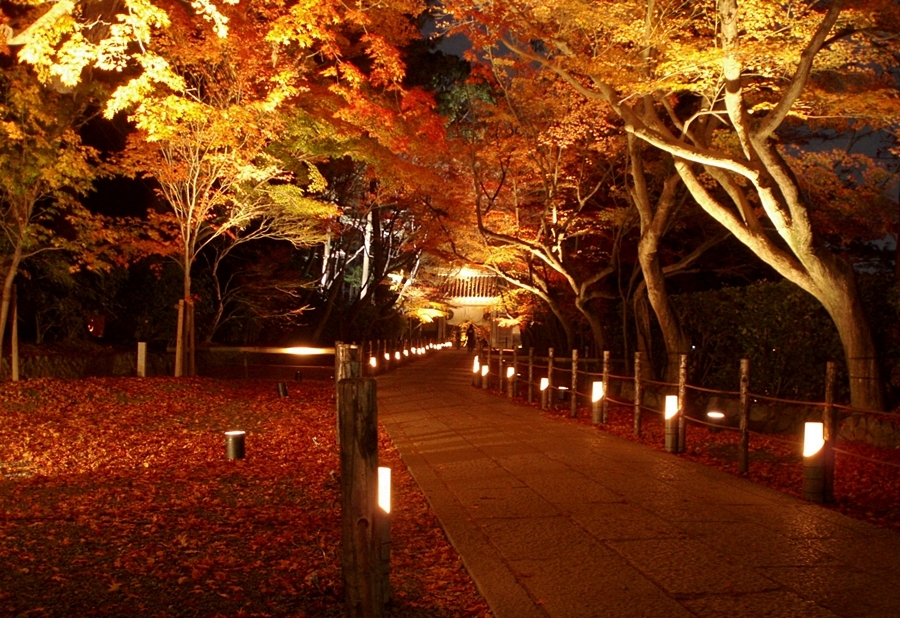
(829, 420)
(637, 393)
(604, 405)
(550, 378)
(142, 359)
(362, 534)
(573, 394)
(530, 375)
(682, 406)
(744, 440)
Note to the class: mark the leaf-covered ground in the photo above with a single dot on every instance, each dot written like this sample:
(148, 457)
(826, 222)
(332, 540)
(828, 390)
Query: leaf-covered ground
(116, 500)
(863, 488)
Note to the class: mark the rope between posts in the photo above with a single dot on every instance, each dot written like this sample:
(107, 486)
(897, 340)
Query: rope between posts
(655, 383)
(878, 461)
(697, 421)
(853, 410)
(795, 402)
(713, 390)
(772, 437)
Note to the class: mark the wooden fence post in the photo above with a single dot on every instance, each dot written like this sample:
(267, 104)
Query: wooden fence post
(549, 394)
(191, 337)
(829, 421)
(573, 394)
(513, 380)
(744, 442)
(637, 393)
(364, 593)
(530, 375)
(179, 341)
(604, 403)
(344, 367)
(142, 359)
(682, 402)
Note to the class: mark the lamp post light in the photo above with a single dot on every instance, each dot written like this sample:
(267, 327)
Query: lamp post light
(596, 401)
(545, 390)
(234, 444)
(671, 414)
(814, 462)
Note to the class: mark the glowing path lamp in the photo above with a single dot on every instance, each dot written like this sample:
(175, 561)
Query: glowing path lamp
(485, 370)
(814, 462)
(382, 533)
(716, 420)
(671, 414)
(596, 401)
(234, 444)
(476, 371)
(545, 391)
(510, 381)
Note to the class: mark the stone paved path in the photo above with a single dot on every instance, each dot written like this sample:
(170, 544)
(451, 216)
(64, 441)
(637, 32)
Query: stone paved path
(556, 519)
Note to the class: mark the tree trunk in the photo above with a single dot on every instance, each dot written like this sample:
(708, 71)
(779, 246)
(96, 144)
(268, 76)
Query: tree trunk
(594, 322)
(669, 324)
(6, 297)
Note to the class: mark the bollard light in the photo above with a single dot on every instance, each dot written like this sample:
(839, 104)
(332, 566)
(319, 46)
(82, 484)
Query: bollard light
(405, 352)
(814, 462)
(387, 356)
(397, 355)
(373, 362)
(596, 392)
(671, 406)
(545, 382)
(484, 370)
(671, 412)
(234, 444)
(384, 489)
(476, 366)
(510, 372)
(716, 419)
(813, 438)
(282, 389)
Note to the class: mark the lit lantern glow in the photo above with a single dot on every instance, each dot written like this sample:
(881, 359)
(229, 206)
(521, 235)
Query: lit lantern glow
(671, 406)
(545, 382)
(813, 438)
(405, 352)
(384, 489)
(387, 356)
(716, 416)
(373, 362)
(397, 355)
(596, 392)
(484, 370)
(510, 372)
(476, 366)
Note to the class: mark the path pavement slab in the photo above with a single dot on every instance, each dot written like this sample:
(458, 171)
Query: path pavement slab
(561, 520)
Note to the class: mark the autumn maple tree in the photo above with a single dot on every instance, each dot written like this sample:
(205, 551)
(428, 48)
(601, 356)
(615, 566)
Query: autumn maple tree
(44, 170)
(715, 86)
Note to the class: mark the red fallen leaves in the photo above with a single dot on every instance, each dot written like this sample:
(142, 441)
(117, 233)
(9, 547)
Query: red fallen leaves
(116, 499)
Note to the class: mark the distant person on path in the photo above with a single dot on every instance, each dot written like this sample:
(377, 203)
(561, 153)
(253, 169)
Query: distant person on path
(470, 338)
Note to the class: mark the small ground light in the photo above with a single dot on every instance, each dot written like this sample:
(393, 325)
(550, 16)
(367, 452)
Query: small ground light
(814, 462)
(384, 489)
(476, 366)
(405, 352)
(545, 382)
(234, 444)
(387, 356)
(484, 370)
(373, 362)
(510, 372)
(397, 355)
(715, 418)
(545, 391)
(596, 392)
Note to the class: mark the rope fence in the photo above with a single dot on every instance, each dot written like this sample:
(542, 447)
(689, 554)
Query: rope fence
(553, 380)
